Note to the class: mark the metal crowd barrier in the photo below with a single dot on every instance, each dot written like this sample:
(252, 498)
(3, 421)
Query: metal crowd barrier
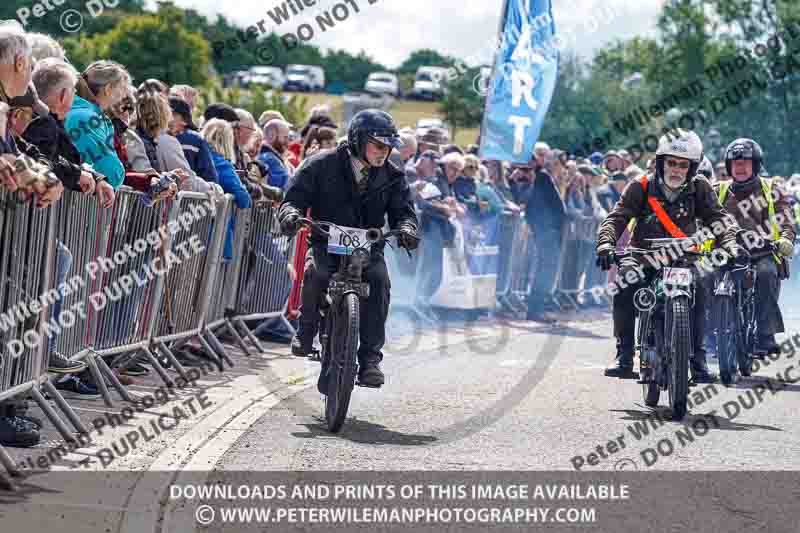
(27, 254)
(82, 233)
(185, 297)
(575, 281)
(510, 225)
(260, 276)
(521, 262)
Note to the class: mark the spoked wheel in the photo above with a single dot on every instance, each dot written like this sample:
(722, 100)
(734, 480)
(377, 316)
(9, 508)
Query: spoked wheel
(652, 390)
(343, 345)
(647, 368)
(747, 339)
(678, 326)
(727, 338)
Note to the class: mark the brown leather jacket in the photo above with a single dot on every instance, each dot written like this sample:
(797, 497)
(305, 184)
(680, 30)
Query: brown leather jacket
(697, 202)
(754, 213)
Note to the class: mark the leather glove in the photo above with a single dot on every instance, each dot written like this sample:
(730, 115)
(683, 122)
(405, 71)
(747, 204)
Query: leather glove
(605, 256)
(409, 239)
(289, 225)
(784, 247)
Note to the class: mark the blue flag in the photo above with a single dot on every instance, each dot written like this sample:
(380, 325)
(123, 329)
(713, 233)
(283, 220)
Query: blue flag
(522, 83)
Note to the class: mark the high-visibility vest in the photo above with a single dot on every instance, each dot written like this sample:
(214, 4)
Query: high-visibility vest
(766, 188)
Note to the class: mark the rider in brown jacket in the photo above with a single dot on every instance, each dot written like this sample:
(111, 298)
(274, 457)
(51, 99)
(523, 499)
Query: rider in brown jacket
(684, 198)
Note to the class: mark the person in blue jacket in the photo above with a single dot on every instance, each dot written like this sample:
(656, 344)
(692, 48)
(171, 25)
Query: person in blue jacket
(219, 135)
(195, 148)
(101, 86)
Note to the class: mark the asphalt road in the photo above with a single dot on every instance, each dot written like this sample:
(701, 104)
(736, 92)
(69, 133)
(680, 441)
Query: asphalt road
(534, 398)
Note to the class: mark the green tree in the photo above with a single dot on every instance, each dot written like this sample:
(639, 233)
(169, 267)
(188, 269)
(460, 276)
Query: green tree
(50, 22)
(424, 58)
(462, 106)
(156, 47)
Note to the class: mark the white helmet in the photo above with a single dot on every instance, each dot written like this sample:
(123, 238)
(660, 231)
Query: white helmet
(681, 143)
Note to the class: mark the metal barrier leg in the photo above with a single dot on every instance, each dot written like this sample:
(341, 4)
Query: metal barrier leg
(62, 404)
(98, 378)
(250, 335)
(166, 352)
(210, 352)
(217, 345)
(112, 377)
(157, 367)
(8, 463)
(52, 415)
(288, 324)
(237, 337)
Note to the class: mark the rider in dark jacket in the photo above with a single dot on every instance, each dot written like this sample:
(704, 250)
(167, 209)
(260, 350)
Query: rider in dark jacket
(686, 198)
(354, 186)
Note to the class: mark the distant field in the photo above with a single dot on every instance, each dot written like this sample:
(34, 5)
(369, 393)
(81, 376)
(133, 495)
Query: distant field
(405, 113)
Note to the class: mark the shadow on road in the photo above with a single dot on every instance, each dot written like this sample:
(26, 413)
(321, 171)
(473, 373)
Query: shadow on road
(364, 432)
(660, 416)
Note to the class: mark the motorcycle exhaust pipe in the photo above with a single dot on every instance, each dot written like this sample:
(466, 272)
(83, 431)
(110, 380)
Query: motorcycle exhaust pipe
(374, 235)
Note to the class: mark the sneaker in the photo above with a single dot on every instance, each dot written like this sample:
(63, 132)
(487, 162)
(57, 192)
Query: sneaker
(61, 364)
(134, 369)
(17, 432)
(73, 387)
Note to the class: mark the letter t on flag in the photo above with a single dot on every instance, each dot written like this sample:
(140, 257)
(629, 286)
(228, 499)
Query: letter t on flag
(522, 83)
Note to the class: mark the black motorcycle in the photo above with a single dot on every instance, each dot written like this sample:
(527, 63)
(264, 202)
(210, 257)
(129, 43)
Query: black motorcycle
(340, 311)
(664, 336)
(735, 315)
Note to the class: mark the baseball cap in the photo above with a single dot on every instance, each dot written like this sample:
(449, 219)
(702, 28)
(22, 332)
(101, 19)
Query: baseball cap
(222, 111)
(611, 153)
(182, 108)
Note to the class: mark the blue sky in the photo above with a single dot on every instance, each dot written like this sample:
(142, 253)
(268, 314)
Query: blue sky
(388, 30)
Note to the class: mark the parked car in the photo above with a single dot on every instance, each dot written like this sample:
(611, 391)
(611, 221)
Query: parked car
(237, 78)
(383, 83)
(264, 75)
(429, 83)
(304, 78)
(424, 124)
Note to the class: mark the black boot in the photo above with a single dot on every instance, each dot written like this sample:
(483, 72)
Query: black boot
(15, 431)
(765, 344)
(369, 371)
(623, 365)
(301, 347)
(700, 371)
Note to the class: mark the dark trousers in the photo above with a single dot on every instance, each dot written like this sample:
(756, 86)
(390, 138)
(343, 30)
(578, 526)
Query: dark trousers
(318, 269)
(625, 310)
(544, 269)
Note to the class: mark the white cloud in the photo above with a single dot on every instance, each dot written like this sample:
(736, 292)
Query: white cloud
(389, 30)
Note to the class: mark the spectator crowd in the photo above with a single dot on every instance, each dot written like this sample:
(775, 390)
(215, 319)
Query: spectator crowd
(93, 132)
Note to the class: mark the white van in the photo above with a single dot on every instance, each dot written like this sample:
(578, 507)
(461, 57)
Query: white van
(304, 78)
(383, 83)
(269, 76)
(429, 82)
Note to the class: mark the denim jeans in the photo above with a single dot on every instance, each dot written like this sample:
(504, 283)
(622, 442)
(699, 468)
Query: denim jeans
(63, 266)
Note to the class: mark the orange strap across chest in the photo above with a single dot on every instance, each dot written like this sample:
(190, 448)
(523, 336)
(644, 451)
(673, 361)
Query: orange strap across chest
(662, 215)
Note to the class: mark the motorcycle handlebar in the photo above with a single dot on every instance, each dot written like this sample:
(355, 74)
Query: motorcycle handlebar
(374, 235)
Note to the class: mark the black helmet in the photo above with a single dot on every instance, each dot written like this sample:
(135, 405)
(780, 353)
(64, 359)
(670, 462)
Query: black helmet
(371, 124)
(744, 149)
